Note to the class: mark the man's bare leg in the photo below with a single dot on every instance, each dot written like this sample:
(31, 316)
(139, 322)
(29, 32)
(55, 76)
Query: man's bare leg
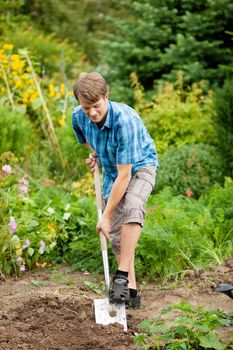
(130, 234)
(131, 276)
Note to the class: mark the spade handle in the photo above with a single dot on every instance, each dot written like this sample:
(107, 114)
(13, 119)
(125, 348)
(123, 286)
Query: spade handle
(99, 203)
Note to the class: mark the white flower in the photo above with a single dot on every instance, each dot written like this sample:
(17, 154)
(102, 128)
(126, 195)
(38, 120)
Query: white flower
(67, 207)
(66, 216)
(7, 169)
(50, 210)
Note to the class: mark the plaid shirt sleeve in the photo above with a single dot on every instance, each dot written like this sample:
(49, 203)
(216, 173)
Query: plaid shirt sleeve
(128, 151)
(78, 132)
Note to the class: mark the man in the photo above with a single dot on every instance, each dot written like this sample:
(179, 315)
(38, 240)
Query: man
(117, 137)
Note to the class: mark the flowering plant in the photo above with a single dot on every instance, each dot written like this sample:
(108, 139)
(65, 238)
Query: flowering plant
(39, 223)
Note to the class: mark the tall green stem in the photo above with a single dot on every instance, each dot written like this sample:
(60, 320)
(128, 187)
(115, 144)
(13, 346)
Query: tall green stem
(7, 86)
(52, 135)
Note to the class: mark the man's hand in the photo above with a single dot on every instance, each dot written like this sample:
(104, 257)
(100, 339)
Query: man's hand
(92, 160)
(104, 226)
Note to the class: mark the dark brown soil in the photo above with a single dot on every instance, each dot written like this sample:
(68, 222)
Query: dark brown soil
(53, 310)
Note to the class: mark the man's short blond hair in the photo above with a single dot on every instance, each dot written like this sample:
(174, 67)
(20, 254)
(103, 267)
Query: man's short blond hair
(90, 87)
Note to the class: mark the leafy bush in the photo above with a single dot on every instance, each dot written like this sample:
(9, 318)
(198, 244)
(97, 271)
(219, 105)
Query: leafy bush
(16, 132)
(55, 57)
(46, 104)
(219, 202)
(43, 223)
(223, 122)
(156, 39)
(193, 328)
(74, 153)
(178, 114)
(182, 233)
(193, 168)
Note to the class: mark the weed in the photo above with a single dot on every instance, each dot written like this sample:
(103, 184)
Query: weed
(98, 288)
(62, 279)
(37, 283)
(194, 328)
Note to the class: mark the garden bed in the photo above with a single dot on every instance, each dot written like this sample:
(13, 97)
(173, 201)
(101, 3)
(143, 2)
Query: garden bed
(54, 309)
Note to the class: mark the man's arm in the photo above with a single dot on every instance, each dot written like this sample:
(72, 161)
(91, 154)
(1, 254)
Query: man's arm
(118, 190)
(92, 157)
(88, 146)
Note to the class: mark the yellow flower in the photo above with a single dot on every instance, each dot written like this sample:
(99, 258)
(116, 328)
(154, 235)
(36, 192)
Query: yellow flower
(8, 47)
(33, 97)
(3, 59)
(28, 69)
(17, 65)
(18, 83)
(30, 81)
(2, 89)
(58, 95)
(52, 225)
(15, 57)
(24, 76)
(51, 90)
(25, 97)
(61, 122)
(63, 89)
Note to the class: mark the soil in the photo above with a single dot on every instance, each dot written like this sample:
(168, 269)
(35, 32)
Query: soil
(53, 309)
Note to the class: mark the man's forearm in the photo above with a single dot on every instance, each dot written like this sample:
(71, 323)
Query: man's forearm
(118, 190)
(88, 146)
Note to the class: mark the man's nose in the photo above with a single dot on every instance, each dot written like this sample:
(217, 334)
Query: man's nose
(92, 111)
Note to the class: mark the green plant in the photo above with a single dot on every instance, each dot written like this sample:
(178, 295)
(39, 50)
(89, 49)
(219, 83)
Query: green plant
(193, 328)
(74, 153)
(98, 288)
(43, 223)
(219, 202)
(182, 233)
(223, 121)
(56, 57)
(62, 278)
(24, 92)
(190, 169)
(177, 114)
(15, 132)
(187, 36)
(38, 284)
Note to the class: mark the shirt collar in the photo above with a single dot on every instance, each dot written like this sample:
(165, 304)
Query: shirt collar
(108, 121)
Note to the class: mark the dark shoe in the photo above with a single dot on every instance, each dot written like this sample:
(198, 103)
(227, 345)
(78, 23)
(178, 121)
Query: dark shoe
(133, 303)
(120, 291)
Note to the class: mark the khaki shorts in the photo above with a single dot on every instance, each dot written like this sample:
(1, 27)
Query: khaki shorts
(132, 206)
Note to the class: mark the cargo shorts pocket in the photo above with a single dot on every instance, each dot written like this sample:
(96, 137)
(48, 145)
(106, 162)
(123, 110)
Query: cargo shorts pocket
(142, 183)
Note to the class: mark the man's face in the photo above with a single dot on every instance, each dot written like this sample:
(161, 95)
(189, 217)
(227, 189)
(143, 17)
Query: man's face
(96, 111)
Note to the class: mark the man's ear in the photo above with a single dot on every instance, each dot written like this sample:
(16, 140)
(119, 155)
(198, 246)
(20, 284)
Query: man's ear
(106, 96)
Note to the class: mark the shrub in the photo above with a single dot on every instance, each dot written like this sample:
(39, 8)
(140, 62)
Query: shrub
(15, 132)
(219, 202)
(223, 121)
(182, 233)
(172, 235)
(41, 223)
(178, 114)
(73, 152)
(56, 57)
(190, 169)
(192, 328)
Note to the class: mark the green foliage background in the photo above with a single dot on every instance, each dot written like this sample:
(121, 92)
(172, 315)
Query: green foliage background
(165, 59)
(194, 167)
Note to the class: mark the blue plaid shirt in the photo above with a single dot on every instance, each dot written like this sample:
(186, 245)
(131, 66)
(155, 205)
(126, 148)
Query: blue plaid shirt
(123, 139)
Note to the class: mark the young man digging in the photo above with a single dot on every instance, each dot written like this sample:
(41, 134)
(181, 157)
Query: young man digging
(117, 137)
